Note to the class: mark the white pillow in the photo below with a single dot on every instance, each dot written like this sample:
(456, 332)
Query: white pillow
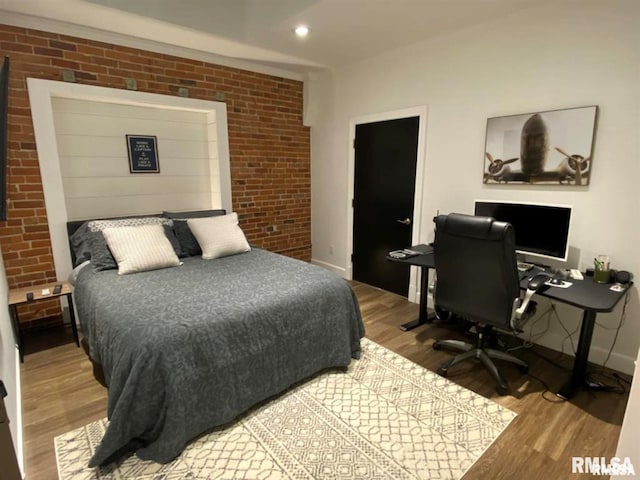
(140, 248)
(219, 236)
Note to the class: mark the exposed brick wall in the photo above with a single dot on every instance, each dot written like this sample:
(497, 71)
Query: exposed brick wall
(269, 146)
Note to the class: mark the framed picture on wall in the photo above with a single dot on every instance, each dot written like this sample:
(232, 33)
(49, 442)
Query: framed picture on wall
(143, 154)
(553, 147)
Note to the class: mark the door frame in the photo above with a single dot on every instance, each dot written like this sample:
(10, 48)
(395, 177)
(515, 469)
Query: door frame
(421, 113)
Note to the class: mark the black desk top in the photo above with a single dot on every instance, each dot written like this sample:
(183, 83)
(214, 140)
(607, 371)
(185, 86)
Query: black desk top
(423, 260)
(585, 294)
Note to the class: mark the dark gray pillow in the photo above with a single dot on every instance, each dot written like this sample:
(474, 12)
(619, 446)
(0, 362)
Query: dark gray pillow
(173, 239)
(79, 243)
(188, 242)
(101, 257)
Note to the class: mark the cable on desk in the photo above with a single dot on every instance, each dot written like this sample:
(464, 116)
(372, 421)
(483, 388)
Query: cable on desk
(554, 399)
(597, 385)
(547, 315)
(527, 345)
(569, 334)
(623, 315)
(592, 378)
(620, 378)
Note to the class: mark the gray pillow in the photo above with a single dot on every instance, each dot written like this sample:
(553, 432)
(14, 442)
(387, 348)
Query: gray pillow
(171, 235)
(79, 243)
(101, 257)
(188, 243)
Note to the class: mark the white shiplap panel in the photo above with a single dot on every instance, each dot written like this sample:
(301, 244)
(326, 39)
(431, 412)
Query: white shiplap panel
(125, 111)
(87, 146)
(92, 147)
(135, 184)
(92, 125)
(183, 149)
(81, 167)
(100, 207)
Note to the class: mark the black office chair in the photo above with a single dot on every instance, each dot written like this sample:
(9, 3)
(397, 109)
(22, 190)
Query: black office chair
(478, 280)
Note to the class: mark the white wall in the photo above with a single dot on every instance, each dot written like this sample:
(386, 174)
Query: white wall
(91, 138)
(10, 368)
(546, 58)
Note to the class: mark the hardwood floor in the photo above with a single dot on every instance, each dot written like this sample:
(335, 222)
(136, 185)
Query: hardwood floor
(60, 394)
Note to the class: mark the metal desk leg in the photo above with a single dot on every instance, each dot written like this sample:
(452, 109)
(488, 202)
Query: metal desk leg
(17, 335)
(579, 372)
(423, 316)
(72, 316)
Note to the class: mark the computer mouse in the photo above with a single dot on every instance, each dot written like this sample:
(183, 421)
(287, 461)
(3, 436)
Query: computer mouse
(538, 281)
(558, 279)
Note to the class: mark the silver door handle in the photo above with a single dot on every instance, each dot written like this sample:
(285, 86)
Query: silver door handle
(406, 221)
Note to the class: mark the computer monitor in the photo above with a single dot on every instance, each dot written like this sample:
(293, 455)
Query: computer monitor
(540, 230)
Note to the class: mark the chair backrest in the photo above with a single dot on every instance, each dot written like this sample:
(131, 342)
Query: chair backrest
(476, 267)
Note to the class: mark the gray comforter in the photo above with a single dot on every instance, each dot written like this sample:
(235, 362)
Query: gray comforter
(188, 348)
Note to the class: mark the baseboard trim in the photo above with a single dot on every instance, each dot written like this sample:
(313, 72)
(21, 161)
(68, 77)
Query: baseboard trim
(342, 272)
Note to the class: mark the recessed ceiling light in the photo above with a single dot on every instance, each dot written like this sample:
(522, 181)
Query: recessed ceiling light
(301, 30)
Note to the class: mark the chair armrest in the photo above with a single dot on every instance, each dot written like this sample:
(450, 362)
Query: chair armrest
(521, 307)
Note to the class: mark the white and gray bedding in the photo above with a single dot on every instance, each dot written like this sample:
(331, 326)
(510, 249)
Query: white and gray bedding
(188, 348)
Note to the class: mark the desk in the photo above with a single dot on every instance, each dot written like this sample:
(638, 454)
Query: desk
(591, 297)
(425, 262)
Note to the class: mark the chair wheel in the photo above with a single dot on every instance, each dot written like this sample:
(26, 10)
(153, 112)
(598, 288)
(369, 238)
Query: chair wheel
(437, 346)
(502, 389)
(442, 372)
(523, 369)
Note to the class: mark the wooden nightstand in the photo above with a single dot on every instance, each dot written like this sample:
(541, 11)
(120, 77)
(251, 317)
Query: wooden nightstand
(18, 296)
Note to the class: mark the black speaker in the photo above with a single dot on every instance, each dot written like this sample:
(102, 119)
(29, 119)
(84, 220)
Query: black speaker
(623, 277)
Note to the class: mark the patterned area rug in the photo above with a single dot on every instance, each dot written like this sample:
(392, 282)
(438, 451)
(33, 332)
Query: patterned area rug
(386, 417)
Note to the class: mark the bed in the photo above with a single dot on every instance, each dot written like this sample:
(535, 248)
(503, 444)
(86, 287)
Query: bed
(188, 348)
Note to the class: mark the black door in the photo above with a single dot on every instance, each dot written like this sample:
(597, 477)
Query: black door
(384, 189)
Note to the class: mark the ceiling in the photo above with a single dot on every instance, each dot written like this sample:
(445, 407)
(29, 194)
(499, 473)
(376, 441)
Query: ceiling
(342, 31)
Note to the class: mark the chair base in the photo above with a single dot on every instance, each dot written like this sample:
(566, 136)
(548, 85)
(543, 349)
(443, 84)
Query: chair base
(485, 355)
